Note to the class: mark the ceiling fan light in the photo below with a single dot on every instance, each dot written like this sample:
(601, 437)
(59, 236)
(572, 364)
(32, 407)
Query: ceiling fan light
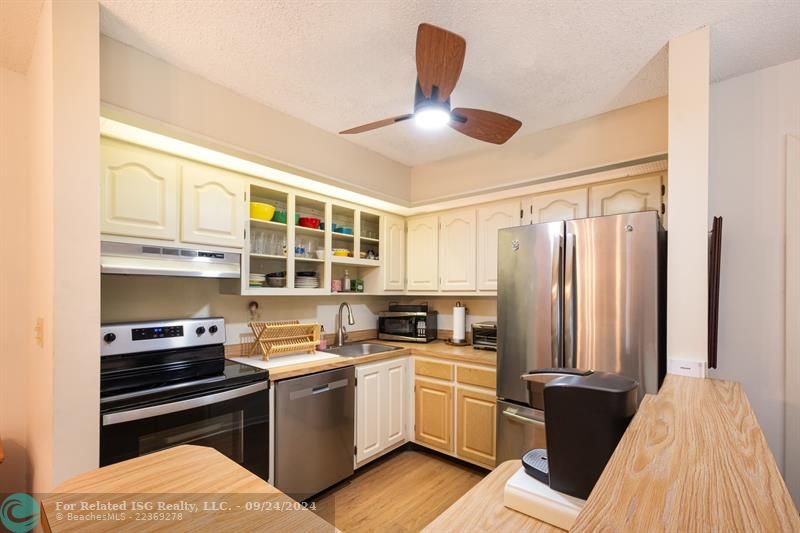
(431, 117)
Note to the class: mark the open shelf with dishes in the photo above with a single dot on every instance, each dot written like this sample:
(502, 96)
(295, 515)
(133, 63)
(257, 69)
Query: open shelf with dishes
(300, 243)
(266, 261)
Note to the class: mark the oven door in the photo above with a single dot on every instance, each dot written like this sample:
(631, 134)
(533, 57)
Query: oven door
(235, 422)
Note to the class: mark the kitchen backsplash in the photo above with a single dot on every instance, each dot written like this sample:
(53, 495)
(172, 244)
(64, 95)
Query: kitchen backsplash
(129, 298)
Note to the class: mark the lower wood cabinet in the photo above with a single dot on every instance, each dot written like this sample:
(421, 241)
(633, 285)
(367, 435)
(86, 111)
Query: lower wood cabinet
(382, 407)
(433, 414)
(455, 410)
(477, 428)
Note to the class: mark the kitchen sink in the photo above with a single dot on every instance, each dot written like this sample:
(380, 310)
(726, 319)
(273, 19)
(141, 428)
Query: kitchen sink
(358, 349)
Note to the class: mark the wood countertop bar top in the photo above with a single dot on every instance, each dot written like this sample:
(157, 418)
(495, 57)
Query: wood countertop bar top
(693, 459)
(436, 349)
(481, 509)
(227, 497)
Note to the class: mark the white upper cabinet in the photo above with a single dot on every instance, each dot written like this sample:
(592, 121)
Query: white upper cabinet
(383, 403)
(213, 210)
(394, 254)
(639, 194)
(457, 250)
(491, 219)
(422, 252)
(139, 192)
(555, 206)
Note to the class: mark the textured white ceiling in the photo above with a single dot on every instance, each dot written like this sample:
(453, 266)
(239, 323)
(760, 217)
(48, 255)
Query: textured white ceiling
(18, 21)
(338, 64)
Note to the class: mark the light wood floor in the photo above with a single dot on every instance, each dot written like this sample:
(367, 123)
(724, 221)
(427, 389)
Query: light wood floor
(400, 493)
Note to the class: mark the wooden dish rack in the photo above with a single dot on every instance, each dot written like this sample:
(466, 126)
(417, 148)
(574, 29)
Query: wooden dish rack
(284, 337)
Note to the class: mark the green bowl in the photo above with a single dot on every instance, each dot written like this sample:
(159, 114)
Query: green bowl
(279, 216)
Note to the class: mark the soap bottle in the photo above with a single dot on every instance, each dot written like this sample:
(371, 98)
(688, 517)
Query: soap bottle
(346, 281)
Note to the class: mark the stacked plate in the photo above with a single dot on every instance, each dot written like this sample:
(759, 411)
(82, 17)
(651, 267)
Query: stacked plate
(306, 280)
(257, 280)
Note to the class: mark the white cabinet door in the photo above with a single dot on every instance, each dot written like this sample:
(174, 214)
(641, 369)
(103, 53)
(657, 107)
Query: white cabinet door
(368, 411)
(394, 253)
(396, 402)
(457, 260)
(382, 407)
(639, 194)
(422, 252)
(213, 206)
(491, 219)
(139, 191)
(555, 206)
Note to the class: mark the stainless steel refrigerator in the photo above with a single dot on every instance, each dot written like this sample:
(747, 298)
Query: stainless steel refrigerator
(586, 294)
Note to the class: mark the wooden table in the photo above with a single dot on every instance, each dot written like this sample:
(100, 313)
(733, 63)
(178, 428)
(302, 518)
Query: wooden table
(481, 509)
(209, 492)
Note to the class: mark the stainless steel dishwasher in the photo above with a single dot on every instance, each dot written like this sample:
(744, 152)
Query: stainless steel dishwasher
(314, 431)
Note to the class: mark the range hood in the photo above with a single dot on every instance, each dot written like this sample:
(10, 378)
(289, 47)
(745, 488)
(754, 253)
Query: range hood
(148, 260)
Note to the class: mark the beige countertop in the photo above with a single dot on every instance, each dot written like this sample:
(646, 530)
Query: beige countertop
(205, 490)
(693, 459)
(436, 349)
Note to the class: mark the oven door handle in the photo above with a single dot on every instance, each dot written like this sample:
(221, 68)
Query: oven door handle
(182, 405)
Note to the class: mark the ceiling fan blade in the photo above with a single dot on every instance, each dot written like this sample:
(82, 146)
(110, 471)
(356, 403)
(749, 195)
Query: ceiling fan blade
(378, 124)
(440, 56)
(484, 125)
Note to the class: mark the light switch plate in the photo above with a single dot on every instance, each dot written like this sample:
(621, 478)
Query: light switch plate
(692, 369)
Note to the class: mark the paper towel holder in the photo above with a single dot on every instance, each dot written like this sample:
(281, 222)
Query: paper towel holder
(463, 342)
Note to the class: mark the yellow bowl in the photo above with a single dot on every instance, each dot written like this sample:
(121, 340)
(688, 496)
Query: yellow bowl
(341, 253)
(261, 211)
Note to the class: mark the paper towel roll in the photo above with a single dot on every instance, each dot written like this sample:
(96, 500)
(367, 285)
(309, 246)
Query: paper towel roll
(459, 323)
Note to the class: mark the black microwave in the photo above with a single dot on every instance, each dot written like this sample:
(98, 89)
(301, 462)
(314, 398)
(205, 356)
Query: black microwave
(409, 326)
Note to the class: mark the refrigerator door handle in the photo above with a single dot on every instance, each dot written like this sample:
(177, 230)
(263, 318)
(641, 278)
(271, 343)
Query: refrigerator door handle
(569, 301)
(556, 324)
(513, 415)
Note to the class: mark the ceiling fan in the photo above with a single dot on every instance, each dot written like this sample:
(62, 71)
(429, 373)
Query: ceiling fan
(440, 56)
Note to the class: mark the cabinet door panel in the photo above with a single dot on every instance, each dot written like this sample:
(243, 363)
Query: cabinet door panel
(394, 254)
(139, 192)
(368, 417)
(433, 415)
(491, 219)
(457, 259)
(560, 205)
(477, 438)
(422, 268)
(640, 194)
(395, 400)
(212, 206)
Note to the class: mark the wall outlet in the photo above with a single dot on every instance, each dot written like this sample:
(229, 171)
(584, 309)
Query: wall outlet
(693, 369)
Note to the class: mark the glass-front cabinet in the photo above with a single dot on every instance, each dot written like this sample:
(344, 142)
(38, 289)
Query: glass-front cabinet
(300, 243)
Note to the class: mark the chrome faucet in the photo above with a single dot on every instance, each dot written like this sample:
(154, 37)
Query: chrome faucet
(341, 331)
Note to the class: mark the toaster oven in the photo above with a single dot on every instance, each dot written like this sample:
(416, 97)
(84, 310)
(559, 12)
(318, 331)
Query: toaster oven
(484, 335)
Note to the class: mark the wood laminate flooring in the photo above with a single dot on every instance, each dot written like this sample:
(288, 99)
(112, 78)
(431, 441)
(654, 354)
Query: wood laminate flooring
(401, 492)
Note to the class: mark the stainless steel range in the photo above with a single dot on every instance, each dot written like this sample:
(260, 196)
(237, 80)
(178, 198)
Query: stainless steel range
(166, 383)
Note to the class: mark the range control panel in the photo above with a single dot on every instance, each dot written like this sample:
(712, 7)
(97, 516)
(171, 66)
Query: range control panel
(138, 337)
(141, 334)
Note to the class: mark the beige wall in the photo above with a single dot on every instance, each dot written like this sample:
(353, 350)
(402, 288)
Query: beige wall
(40, 260)
(14, 282)
(216, 117)
(56, 279)
(622, 135)
(687, 210)
(76, 246)
(750, 118)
